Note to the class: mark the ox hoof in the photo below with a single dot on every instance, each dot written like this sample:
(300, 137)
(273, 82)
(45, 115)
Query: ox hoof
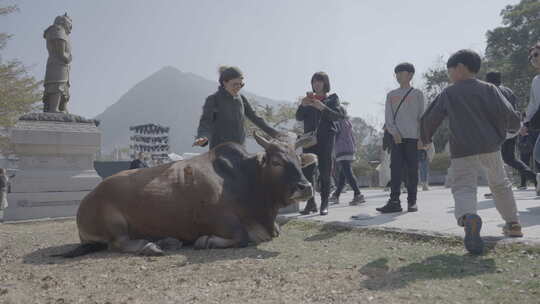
(202, 242)
(151, 249)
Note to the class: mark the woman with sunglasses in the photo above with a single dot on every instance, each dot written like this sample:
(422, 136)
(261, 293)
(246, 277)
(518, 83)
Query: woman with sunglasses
(320, 112)
(224, 113)
(532, 115)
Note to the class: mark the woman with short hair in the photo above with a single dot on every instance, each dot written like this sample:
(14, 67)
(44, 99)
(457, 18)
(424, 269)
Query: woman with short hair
(225, 111)
(320, 112)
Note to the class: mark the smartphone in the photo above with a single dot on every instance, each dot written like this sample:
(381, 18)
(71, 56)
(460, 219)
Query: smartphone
(309, 94)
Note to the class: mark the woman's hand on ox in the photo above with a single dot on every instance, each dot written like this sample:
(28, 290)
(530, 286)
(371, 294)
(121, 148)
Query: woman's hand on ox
(201, 141)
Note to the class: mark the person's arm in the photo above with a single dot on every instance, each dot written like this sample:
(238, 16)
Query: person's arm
(301, 112)
(257, 120)
(333, 111)
(389, 117)
(511, 117)
(206, 122)
(421, 109)
(534, 100)
(433, 118)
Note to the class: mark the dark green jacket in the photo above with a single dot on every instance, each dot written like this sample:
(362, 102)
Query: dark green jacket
(223, 119)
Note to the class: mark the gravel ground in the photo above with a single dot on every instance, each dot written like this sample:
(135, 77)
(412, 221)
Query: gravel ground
(308, 263)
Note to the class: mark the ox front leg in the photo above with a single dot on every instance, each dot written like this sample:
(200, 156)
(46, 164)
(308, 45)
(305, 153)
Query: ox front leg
(142, 247)
(214, 241)
(238, 237)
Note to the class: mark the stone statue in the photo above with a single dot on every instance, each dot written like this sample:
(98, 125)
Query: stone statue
(56, 94)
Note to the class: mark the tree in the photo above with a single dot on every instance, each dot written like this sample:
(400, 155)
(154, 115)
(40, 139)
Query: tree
(507, 47)
(19, 92)
(436, 79)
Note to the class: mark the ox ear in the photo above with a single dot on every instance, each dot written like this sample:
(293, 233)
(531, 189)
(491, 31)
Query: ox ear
(261, 141)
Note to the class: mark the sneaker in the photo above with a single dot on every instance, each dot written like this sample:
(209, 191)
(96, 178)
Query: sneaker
(473, 242)
(425, 187)
(522, 188)
(488, 195)
(357, 199)
(512, 230)
(392, 206)
(412, 207)
(333, 200)
(537, 184)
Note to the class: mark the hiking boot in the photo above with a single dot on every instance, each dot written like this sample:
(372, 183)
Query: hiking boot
(334, 199)
(392, 206)
(310, 207)
(472, 224)
(412, 207)
(357, 199)
(512, 230)
(324, 208)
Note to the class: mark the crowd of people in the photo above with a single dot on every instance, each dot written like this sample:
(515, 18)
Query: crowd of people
(482, 120)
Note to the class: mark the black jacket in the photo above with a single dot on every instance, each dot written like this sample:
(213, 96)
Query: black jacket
(326, 120)
(223, 119)
(137, 163)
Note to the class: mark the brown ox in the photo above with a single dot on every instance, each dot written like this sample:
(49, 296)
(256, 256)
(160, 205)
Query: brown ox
(222, 198)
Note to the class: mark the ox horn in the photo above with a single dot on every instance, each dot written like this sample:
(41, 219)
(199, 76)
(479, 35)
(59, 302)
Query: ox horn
(261, 140)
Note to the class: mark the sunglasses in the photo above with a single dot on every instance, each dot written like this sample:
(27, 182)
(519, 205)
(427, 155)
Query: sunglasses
(238, 85)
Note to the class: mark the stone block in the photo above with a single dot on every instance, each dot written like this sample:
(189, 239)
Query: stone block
(27, 206)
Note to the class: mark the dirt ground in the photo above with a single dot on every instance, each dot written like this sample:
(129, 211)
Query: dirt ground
(308, 263)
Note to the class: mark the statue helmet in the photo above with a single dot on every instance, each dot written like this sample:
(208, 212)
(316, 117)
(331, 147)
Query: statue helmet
(65, 21)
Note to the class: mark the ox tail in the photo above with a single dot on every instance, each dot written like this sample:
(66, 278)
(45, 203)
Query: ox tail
(83, 249)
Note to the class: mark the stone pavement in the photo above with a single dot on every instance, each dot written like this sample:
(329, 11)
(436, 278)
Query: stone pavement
(435, 215)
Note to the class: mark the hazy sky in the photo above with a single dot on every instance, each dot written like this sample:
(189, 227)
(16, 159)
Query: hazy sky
(278, 43)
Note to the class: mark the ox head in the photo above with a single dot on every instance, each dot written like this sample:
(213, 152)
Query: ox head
(282, 173)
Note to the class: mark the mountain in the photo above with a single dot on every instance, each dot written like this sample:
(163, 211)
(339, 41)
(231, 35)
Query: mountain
(168, 97)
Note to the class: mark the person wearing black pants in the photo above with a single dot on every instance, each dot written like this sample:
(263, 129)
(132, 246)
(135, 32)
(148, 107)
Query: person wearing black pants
(509, 157)
(404, 166)
(508, 149)
(403, 111)
(525, 147)
(345, 150)
(320, 113)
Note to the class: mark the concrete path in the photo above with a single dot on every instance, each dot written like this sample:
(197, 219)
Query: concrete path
(435, 215)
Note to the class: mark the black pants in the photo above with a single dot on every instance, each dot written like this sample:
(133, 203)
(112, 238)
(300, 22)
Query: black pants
(508, 152)
(346, 175)
(526, 158)
(404, 154)
(323, 150)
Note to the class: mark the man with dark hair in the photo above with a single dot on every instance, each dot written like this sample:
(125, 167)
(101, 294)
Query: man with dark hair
(479, 118)
(403, 110)
(508, 149)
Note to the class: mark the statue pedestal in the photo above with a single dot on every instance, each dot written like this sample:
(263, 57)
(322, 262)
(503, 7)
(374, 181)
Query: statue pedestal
(55, 167)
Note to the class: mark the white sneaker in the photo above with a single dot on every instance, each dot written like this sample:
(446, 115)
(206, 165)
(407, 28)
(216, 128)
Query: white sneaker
(537, 184)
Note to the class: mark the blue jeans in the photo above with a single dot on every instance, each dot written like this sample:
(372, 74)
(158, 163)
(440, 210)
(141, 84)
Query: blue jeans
(423, 166)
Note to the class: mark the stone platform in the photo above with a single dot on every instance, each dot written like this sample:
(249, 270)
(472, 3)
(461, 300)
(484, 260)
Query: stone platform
(56, 154)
